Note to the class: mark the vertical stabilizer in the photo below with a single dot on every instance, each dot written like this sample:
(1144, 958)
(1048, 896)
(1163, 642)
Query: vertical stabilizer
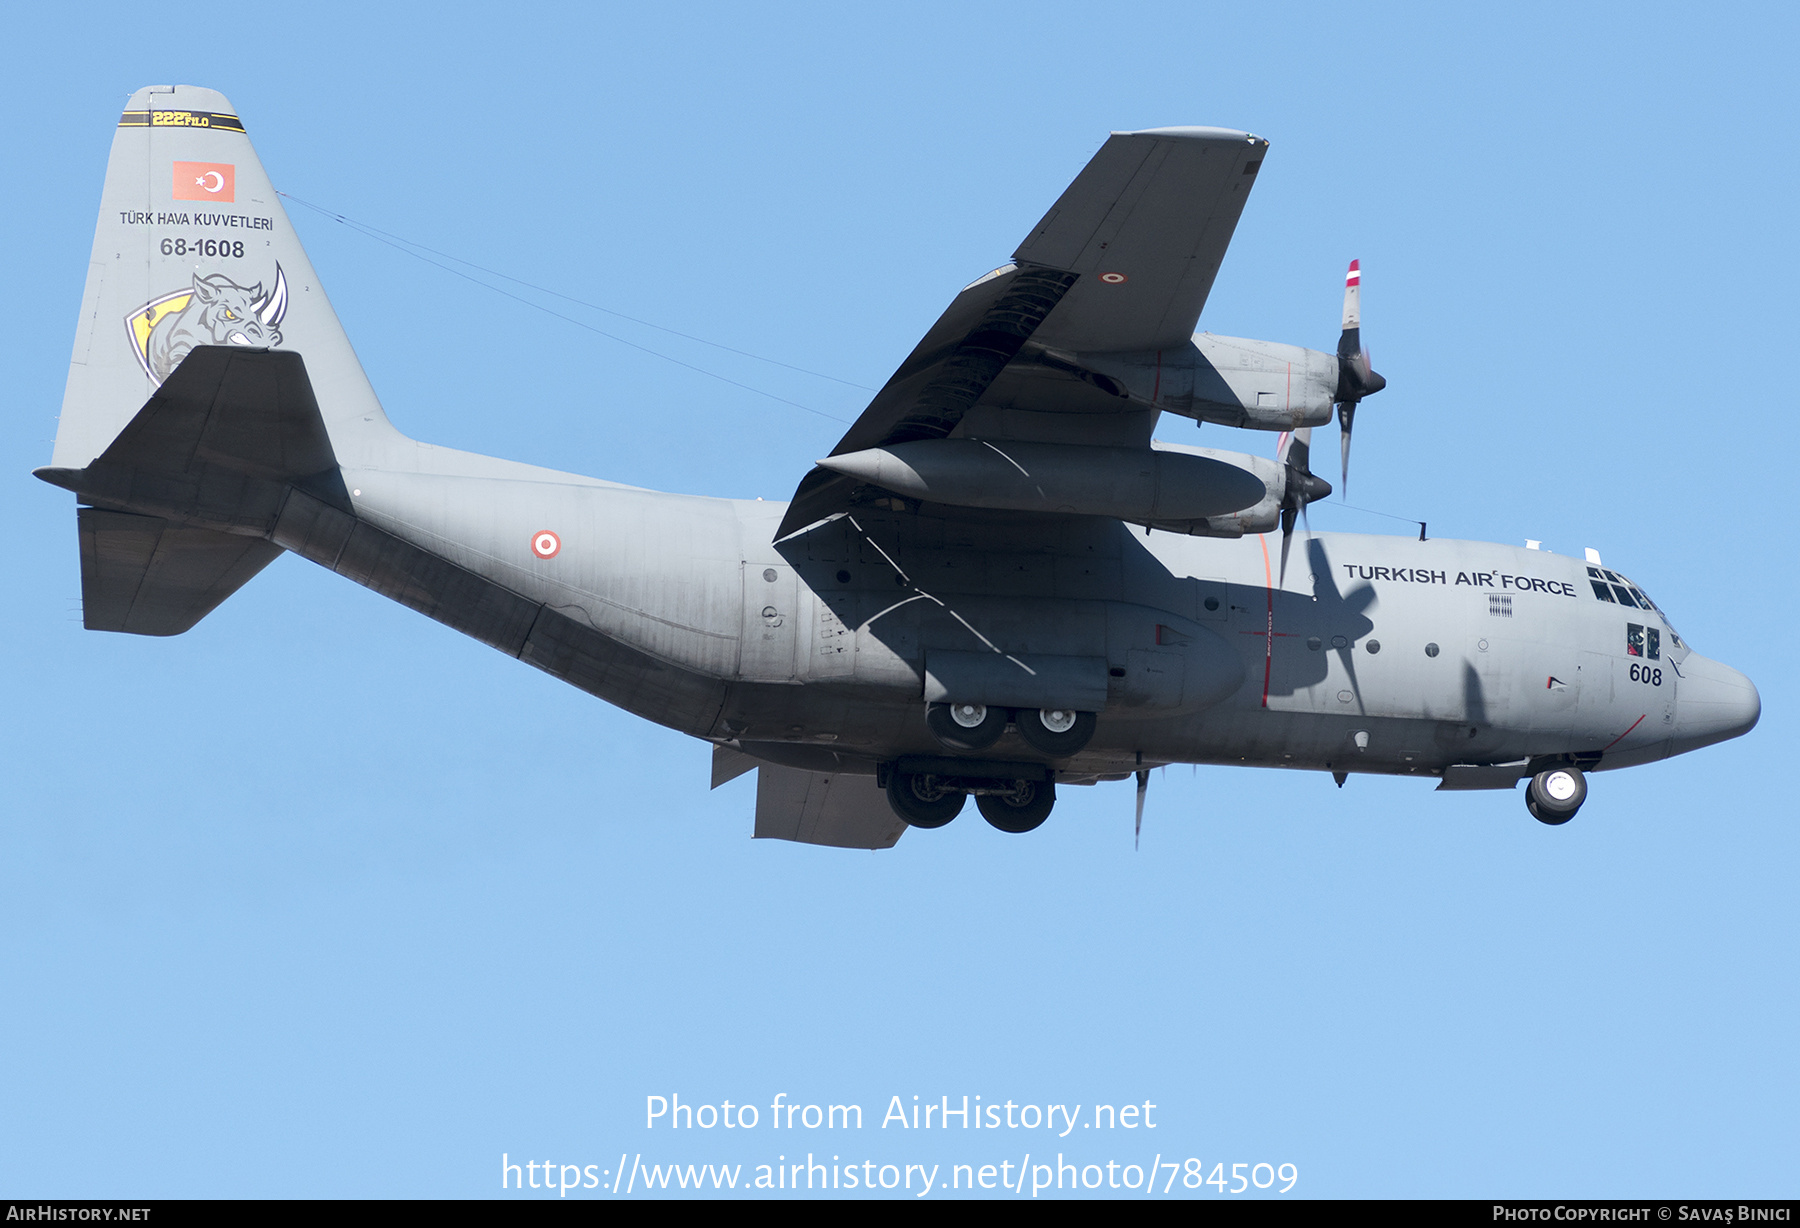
(193, 248)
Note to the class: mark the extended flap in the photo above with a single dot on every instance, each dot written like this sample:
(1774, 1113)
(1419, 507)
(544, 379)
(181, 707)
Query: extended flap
(835, 809)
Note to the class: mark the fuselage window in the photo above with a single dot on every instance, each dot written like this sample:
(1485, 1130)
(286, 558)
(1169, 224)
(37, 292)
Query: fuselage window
(1643, 641)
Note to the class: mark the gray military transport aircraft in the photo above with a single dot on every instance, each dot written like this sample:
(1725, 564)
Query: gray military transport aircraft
(997, 584)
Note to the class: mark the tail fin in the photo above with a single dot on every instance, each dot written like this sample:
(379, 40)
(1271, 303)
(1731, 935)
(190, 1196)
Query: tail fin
(186, 473)
(193, 248)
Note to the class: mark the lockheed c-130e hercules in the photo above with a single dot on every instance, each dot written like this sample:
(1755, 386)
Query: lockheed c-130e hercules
(997, 584)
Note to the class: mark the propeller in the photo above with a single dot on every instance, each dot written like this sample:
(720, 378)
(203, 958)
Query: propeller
(1143, 783)
(1356, 378)
(1302, 486)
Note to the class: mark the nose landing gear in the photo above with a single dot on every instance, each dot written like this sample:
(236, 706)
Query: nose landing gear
(1555, 795)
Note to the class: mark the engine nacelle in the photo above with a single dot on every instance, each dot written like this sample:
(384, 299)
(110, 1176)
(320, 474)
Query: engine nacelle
(1232, 381)
(1263, 516)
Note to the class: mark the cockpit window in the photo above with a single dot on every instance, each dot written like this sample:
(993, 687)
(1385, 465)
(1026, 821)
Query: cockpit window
(1612, 587)
(1641, 641)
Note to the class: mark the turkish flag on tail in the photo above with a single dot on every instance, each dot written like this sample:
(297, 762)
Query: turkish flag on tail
(204, 181)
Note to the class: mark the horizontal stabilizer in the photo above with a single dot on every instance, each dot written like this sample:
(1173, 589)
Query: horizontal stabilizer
(248, 412)
(146, 576)
(835, 809)
(218, 445)
(191, 486)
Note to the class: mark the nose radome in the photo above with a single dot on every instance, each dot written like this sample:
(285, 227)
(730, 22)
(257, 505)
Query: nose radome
(1713, 703)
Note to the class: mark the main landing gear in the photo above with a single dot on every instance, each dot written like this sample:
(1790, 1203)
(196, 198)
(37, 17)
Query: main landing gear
(927, 800)
(1555, 795)
(1055, 732)
(1012, 803)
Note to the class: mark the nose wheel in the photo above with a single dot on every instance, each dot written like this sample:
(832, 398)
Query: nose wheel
(1555, 795)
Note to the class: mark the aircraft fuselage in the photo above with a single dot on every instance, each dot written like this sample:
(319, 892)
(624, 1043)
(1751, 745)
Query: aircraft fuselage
(1365, 654)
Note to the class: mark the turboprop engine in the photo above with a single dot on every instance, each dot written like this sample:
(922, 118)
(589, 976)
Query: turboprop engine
(1202, 492)
(1233, 381)
(1287, 486)
(1236, 381)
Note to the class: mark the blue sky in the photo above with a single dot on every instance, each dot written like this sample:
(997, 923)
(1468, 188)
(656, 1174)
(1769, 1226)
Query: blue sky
(323, 899)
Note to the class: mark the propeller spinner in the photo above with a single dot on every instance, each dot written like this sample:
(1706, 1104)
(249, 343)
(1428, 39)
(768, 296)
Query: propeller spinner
(1356, 378)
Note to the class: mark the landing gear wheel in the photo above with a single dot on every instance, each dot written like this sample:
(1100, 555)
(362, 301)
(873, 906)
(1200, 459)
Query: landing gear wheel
(919, 800)
(1554, 796)
(1057, 732)
(1021, 811)
(966, 726)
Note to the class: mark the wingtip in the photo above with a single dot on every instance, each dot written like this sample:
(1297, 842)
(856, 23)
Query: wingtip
(68, 479)
(1198, 133)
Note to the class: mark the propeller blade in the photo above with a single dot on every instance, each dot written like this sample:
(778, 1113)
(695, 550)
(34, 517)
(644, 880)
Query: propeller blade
(1302, 487)
(1287, 538)
(1346, 417)
(1143, 779)
(1356, 378)
(1296, 449)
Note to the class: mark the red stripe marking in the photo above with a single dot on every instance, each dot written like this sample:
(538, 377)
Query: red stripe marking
(1269, 643)
(1623, 736)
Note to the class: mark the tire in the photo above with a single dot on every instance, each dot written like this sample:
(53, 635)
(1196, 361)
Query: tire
(950, 724)
(1018, 816)
(915, 799)
(1039, 728)
(1555, 795)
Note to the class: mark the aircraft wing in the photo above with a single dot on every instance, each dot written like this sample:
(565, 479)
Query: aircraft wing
(1122, 262)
